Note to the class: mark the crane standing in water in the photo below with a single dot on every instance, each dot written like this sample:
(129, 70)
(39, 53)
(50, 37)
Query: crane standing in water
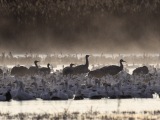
(80, 69)
(33, 69)
(68, 70)
(107, 70)
(141, 70)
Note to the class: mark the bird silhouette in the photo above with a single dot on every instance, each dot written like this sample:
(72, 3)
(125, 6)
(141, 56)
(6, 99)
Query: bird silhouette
(68, 70)
(19, 71)
(141, 70)
(45, 70)
(82, 68)
(33, 69)
(107, 70)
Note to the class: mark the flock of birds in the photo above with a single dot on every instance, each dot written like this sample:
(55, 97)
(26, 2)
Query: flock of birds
(77, 82)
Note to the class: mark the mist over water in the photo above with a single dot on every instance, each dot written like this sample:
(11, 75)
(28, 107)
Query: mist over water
(109, 26)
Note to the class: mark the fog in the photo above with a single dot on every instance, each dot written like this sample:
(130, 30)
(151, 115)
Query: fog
(80, 27)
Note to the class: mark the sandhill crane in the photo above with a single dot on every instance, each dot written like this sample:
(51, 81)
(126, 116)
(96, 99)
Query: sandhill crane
(33, 69)
(107, 70)
(141, 70)
(68, 70)
(19, 71)
(45, 70)
(82, 68)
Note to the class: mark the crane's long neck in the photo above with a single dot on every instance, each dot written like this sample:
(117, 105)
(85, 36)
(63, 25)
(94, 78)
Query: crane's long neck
(121, 65)
(87, 62)
(48, 66)
(36, 65)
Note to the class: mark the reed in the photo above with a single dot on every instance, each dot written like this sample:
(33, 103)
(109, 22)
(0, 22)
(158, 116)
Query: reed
(89, 115)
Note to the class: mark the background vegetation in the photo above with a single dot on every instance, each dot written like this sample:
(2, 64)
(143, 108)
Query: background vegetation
(74, 21)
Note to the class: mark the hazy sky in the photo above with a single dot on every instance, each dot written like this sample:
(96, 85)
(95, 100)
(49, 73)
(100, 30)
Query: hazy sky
(84, 26)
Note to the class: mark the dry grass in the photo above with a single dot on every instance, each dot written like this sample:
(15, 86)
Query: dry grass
(90, 115)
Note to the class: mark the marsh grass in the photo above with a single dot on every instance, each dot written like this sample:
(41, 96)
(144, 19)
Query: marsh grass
(90, 115)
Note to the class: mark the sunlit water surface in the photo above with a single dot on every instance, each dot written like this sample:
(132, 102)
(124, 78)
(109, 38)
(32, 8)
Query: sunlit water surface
(104, 105)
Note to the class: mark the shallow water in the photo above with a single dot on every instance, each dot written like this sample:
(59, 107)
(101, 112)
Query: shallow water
(104, 105)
